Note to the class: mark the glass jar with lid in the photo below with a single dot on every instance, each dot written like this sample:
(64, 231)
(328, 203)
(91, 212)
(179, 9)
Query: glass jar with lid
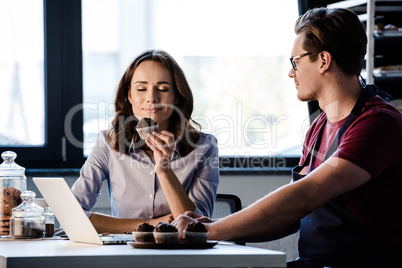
(12, 183)
(27, 219)
(49, 222)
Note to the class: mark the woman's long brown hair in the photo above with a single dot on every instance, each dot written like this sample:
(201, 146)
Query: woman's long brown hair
(122, 132)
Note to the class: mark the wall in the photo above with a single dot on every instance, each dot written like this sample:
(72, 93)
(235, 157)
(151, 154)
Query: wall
(252, 188)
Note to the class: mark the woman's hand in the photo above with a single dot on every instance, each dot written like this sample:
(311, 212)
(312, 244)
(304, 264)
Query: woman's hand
(167, 218)
(163, 145)
(198, 217)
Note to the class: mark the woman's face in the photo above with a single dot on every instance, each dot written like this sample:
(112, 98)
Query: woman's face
(152, 93)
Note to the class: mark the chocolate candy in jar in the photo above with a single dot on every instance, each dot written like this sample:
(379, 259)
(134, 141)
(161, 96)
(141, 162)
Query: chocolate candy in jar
(49, 222)
(27, 219)
(12, 183)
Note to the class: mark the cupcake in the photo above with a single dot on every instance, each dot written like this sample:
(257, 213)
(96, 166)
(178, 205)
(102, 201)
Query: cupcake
(143, 233)
(146, 126)
(165, 233)
(196, 232)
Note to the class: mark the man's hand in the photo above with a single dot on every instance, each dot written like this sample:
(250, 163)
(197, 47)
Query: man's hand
(188, 217)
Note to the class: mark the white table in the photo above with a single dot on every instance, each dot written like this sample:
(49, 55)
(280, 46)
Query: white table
(65, 253)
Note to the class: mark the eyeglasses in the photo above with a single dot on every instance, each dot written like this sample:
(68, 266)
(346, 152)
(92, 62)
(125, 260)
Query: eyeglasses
(292, 59)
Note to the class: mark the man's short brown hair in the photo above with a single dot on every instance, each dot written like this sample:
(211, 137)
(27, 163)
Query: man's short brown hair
(338, 31)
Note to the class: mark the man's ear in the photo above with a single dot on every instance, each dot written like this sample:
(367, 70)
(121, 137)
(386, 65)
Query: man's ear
(325, 59)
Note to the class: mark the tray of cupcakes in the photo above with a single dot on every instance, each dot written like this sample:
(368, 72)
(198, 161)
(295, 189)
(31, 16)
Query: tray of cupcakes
(165, 236)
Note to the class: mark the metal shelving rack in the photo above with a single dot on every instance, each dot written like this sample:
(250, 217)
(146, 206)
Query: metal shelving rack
(383, 48)
(368, 17)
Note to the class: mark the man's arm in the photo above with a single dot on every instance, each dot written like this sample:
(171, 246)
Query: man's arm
(277, 212)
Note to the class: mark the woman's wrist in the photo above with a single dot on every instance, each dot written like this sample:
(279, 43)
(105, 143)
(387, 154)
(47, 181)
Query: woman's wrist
(163, 166)
(164, 171)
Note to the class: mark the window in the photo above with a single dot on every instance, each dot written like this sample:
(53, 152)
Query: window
(22, 73)
(234, 54)
(47, 52)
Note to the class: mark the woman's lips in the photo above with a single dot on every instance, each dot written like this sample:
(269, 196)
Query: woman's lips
(152, 110)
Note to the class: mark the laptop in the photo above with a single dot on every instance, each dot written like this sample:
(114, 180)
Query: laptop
(71, 215)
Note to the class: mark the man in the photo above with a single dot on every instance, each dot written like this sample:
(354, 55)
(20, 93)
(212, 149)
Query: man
(345, 195)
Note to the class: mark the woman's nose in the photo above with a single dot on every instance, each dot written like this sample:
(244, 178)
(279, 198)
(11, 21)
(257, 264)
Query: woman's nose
(152, 96)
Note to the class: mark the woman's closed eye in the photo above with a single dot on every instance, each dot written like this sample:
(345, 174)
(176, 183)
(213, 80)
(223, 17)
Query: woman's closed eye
(164, 89)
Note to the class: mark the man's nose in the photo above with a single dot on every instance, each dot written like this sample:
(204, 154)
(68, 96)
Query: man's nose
(291, 73)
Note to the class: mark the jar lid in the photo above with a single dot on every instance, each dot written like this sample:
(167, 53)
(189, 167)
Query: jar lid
(9, 167)
(27, 208)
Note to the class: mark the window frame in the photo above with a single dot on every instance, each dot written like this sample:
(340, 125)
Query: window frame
(63, 91)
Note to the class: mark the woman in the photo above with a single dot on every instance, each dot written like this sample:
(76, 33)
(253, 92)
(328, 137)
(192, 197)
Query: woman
(174, 170)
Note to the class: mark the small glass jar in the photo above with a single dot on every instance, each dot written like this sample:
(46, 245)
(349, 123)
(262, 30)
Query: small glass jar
(49, 222)
(12, 183)
(27, 219)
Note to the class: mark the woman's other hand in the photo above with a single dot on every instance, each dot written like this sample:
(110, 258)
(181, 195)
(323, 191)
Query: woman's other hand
(167, 218)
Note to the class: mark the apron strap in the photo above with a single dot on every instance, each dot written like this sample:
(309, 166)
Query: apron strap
(367, 92)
